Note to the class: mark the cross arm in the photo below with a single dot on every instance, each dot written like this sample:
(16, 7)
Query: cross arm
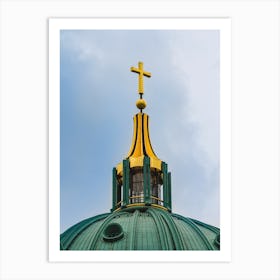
(147, 74)
(133, 69)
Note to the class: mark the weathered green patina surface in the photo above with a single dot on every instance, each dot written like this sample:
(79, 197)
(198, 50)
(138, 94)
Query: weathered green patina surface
(140, 228)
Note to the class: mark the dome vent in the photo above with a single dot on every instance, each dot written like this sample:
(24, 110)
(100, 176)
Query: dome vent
(113, 232)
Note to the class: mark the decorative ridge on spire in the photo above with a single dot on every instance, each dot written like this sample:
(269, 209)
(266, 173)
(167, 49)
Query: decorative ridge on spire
(141, 145)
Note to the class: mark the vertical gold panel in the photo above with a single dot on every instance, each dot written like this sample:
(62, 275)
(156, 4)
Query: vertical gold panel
(134, 136)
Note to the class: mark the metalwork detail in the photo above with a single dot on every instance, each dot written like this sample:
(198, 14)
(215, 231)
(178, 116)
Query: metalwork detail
(142, 73)
(144, 228)
(141, 104)
(126, 182)
(165, 185)
(114, 188)
(169, 191)
(141, 145)
(147, 180)
(113, 232)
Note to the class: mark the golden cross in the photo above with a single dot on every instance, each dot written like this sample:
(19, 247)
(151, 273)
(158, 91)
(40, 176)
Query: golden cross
(141, 73)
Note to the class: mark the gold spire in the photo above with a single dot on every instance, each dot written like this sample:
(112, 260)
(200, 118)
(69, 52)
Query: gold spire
(141, 145)
(141, 179)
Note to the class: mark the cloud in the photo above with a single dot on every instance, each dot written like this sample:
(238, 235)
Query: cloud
(78, 46)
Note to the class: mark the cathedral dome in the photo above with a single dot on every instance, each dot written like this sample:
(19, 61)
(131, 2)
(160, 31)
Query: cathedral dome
(141, 216)
(140, 228)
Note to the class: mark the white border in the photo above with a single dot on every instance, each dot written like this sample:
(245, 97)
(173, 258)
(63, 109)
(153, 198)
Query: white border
(222, 24)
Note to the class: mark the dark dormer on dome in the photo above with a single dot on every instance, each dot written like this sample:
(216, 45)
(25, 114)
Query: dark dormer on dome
(141, 217)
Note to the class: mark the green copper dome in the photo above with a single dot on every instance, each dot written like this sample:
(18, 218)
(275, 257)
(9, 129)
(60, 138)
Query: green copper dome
(140, 228)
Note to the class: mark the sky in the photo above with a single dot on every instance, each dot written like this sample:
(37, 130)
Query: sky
(97, 104)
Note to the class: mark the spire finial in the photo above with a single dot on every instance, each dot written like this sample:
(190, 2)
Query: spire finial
(141, 179)
(141, 103)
